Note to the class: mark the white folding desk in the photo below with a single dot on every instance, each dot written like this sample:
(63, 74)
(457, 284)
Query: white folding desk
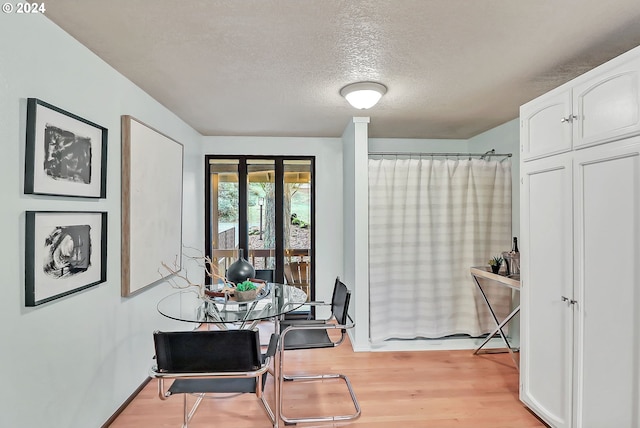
(506, 281)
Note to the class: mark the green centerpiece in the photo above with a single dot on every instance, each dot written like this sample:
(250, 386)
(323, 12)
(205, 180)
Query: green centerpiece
(246, 291)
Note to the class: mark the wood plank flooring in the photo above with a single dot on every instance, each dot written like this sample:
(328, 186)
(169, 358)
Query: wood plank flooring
(416, 389)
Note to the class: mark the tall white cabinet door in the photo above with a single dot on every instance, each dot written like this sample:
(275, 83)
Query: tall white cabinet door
(607, 288)
(547, 277)
(545, 125)
(607, 106)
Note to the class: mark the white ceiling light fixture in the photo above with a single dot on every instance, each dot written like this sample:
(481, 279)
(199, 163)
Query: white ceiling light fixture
(363, 95)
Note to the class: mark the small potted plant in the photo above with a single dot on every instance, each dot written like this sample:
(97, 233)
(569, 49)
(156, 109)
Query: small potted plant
(495, 264)
(246, 291)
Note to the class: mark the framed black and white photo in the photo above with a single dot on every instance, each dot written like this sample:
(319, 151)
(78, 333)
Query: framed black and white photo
(65, 252)
(66, 155)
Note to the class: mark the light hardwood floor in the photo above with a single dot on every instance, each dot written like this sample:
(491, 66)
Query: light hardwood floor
(434, 389)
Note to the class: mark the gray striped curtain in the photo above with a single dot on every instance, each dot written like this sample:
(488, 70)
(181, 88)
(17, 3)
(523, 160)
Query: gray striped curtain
(429, 222)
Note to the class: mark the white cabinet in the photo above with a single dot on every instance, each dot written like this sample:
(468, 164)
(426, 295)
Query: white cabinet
(607, 285)
(580, 250)
(580, 279)
(545, 129)
(546, 256)
(606, 107)
(600, 106)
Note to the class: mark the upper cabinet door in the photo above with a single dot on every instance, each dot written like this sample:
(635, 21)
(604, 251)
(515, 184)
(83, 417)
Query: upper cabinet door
(607, 106)
(545, 125)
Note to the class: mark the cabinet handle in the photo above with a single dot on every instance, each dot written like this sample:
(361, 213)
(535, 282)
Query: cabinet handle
(569, 119)
(564, 299)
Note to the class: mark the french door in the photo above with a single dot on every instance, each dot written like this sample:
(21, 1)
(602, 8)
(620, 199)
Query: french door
(263, 205)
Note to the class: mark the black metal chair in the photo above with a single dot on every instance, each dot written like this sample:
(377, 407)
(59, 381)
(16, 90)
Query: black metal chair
(314, 334)
(264, 274)
(217, 361)
(268, 275)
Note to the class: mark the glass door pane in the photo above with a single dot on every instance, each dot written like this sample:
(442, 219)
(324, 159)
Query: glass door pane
(263, 205)
(297, 224)
(261, 213)
(225, 220)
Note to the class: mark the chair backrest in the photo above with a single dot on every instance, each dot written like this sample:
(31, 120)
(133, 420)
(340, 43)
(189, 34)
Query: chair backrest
(264, 274)
(340, 302)
(207, 351)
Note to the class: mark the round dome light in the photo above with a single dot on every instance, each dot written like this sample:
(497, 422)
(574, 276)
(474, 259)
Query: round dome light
(363, 95)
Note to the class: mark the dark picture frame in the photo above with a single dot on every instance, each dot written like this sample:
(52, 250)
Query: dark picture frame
(66, 155)
(152, 183)
(65, 252)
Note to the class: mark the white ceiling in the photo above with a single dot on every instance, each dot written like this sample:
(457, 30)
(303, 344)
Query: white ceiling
(453, 68)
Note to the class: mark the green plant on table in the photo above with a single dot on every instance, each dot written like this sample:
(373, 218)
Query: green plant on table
(246, 286)
(495, 261)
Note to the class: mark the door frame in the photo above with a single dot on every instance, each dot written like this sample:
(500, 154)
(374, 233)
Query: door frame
(243, 232)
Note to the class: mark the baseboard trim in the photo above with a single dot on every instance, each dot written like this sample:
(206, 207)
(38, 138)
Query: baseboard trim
(126, 403)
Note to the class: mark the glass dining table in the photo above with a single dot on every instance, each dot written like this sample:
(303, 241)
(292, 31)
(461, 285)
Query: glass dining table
(272, 301)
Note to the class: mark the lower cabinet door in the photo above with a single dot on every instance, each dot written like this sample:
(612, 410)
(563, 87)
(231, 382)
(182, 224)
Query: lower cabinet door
(607, 285)
(547, 289)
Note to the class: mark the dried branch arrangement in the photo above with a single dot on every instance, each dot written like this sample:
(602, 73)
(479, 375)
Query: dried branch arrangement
(180, 280)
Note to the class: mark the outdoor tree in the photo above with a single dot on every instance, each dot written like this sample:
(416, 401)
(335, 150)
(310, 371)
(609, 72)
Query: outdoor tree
(228, 202)
(269, 232)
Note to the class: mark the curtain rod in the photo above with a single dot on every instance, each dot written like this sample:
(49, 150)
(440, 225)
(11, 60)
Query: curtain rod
(440, 154)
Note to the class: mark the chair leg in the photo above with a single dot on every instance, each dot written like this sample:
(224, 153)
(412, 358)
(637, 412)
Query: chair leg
(311, 378)
(187, 415)
(263, 401)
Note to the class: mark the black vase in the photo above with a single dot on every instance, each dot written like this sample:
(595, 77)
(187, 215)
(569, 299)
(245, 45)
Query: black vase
(240, 270)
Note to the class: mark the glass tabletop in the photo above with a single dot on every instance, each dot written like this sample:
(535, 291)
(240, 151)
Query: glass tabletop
(273, 300)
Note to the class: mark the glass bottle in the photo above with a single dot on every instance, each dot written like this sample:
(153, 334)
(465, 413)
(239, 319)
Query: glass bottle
(514, 258)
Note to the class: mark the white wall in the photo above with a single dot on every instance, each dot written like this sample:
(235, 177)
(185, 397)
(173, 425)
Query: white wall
(417, 145)
(72, 362)
(328, 192)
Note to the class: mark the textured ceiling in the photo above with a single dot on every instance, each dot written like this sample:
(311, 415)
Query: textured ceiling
(453, 68)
